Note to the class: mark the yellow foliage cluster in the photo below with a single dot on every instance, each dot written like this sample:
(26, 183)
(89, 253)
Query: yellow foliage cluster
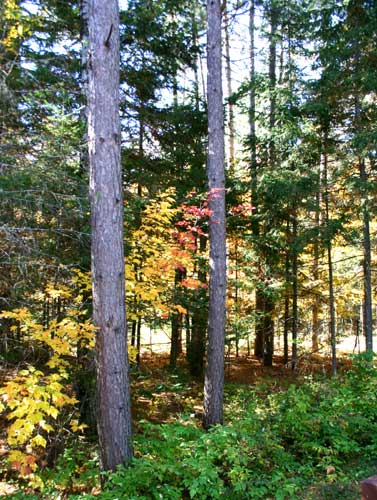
(34, 399)
(154, 257)
(15, 27)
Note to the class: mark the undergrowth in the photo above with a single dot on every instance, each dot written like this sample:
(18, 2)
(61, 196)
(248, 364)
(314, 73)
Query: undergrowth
(315, 440)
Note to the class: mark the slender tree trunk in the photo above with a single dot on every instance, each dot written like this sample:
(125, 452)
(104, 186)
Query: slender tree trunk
(194, 30)
(286, 326)
(316, 303)
(196, 347)
(133, 333)
(259, 301)
(272, 81)
(294, 289)
(269, 305)
(367, 279)
(368, 318)
(287, 297)
(237, 334)
(228, 71)
(176, 323)
(268, 330)
(138, 341)
(84, 38)
(214, 373)
(188, 331)
(113, 393)
(332, 324)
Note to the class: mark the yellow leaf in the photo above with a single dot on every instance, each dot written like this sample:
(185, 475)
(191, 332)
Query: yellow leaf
(38, 440)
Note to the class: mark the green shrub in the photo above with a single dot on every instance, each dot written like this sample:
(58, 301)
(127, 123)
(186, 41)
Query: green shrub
(273, 446)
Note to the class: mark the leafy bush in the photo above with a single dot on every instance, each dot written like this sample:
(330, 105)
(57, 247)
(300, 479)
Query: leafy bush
(39, 403)
(316, 439)
(274, 445)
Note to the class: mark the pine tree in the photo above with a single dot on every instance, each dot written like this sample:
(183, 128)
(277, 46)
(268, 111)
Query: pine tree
(114, 408)
(214, 373)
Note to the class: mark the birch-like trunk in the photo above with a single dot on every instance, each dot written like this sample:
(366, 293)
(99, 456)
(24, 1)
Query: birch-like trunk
(114, 407)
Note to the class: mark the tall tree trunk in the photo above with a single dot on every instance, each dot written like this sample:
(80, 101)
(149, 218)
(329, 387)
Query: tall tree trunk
(269, 304)
(272, 81)
(228, 71)
(317, 302)
(368, 317)
(237, 315)
(214, 373)
(332, 324)
(258, 344)
(359, 127)
(84, 39)
(113, 393)
(294, 289)
(286, 325)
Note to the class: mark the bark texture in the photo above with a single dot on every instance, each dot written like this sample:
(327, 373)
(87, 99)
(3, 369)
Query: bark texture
(214, 374)
(114, 408)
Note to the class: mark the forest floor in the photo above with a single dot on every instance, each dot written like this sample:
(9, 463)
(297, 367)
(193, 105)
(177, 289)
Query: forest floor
(160, 396)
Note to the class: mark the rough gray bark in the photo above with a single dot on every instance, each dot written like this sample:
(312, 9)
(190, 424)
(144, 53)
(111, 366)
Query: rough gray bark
(214, 374)
(114, 407)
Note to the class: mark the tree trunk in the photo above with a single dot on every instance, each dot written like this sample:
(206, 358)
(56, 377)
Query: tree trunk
(269, 305)
(294, 289)
(317, 302)
(368, 317)
(138, 341)
(272, 82)
(133, 333)
(268, 330)
(258, 344)
(332, 324)
(113, 393)
(176, 323)
(214, 374)
(287, 298)
(286, 326)
(196, 346)
(84, 39)
(228, 71)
